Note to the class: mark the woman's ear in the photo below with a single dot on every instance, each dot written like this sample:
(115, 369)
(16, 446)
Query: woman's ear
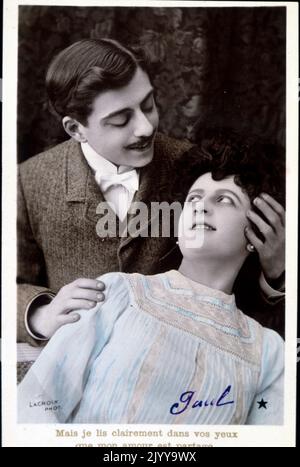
(249, 247)
(74, 129)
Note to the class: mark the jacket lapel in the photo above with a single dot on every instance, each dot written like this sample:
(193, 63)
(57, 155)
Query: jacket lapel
(151, 177)
(81, 187)
(76, 173)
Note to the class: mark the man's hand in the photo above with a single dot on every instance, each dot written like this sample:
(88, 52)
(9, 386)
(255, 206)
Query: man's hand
(272, 250)
(78, 295)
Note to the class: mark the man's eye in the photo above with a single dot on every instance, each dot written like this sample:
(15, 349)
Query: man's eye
(119, 121)
(148, 105)
(148, 109)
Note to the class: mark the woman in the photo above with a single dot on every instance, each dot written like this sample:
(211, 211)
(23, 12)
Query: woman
(174, 347)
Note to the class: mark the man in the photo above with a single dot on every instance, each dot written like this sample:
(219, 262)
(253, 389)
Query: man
(102, 93)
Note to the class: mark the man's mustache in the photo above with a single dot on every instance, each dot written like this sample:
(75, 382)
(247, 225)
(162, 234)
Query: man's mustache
(144, 141)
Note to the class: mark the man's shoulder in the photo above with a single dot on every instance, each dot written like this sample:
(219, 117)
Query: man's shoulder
(170, 148)
(50, 159)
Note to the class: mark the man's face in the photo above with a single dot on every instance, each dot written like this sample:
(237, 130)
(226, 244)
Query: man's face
(123, 123)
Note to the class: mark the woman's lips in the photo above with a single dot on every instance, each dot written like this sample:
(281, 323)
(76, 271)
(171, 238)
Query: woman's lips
(203, 226)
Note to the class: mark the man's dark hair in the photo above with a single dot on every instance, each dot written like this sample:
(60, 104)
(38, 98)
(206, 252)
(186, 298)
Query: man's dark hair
(86, 68)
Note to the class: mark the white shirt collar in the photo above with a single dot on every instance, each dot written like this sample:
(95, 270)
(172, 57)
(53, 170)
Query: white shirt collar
(99, 163)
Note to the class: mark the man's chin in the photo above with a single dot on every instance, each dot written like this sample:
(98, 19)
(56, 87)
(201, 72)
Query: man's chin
(143, 159)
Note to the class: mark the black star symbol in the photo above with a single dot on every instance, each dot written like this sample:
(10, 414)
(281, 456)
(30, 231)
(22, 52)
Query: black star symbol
(261, 404)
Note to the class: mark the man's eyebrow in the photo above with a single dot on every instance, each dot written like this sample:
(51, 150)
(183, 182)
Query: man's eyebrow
(126, 109)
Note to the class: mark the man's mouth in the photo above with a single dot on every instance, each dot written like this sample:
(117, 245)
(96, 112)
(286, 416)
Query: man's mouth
(142, 145)
(203, 226)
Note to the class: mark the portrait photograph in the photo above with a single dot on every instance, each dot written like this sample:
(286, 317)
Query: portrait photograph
(150, 187)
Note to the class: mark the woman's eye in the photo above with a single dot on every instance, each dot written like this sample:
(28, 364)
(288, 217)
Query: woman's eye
(194, 199)
(226, 200)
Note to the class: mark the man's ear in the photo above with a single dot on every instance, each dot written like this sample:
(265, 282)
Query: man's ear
(74, 129)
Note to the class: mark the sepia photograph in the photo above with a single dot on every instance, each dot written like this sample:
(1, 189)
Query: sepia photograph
(154, 243)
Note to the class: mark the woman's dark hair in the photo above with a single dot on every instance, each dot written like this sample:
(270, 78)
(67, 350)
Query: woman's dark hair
(80, 72)
(258, 167)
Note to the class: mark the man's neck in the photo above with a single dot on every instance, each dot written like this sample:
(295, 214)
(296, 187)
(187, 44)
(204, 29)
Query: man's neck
(98, 162)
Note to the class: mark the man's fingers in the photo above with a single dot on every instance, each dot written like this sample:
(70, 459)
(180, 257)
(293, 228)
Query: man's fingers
(275, 205)
(253, 239)
(68, 318)
(88, 294)
(77, 304)
(262, 226)
(270, 214)
(89, 284)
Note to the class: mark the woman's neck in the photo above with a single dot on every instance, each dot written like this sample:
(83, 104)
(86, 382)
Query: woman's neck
(211, 273)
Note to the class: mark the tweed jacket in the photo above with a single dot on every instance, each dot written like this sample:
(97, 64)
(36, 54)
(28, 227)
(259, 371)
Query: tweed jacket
(57, 219)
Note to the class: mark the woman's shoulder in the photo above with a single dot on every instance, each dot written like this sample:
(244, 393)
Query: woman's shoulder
(111, 277)
(268, 341)
(125, 277)
(128, 281)
(113, 280)
(273, 344)
(268, 335)
(136, 285)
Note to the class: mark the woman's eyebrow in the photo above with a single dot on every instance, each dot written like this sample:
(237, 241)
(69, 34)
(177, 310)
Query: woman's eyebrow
(126, 109)
(197, 191)
(218, 192)
(226, 190)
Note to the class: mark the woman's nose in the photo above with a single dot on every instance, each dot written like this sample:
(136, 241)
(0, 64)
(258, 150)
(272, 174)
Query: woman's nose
(143, 126)
(198, 209)
(202, 207)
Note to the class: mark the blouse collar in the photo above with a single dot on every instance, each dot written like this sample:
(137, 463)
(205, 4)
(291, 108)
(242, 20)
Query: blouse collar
(179, 282)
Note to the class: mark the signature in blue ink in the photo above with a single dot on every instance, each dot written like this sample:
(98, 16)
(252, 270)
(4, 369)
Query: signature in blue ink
(186, 398)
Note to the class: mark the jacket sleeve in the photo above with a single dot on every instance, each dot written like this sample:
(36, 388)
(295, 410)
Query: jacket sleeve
(269, 292)
(31, 276)
(268, 308)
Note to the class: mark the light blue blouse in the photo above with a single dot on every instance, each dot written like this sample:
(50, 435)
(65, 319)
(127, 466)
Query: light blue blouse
(161, 349)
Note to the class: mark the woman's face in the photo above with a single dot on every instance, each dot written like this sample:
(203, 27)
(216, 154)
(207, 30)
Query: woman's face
(213, 220)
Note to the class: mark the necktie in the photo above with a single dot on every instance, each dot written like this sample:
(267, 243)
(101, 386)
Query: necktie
(128, 180)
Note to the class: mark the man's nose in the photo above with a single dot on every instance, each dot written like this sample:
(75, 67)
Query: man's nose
(143, 126)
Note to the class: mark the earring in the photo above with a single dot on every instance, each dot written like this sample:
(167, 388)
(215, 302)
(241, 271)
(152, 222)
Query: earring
(250, 248)
(177, 243)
